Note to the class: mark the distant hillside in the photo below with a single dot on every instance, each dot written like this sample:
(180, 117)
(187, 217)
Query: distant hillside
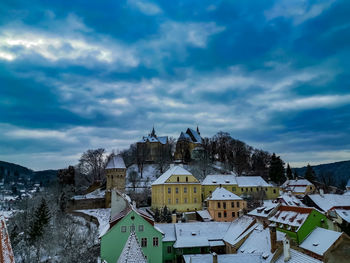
(9, 170)
(340, 171)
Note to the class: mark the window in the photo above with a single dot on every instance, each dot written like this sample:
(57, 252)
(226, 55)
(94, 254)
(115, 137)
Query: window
(219, 205)
(169, 201)
(185, 190)
(242, 189)
(132, 228)
(155, 241)
(195, 200)
(177, 190)
(233, 189)
(123, 229)
(246, 189)
(178, 179)
(274, 191)
(251, 189)
(185, 200)
(144, 242)
(224, 205)
(169, 190)
(233, 214)
(194, 189)
(140, 228)
(225, 214)
(186, 179)
(232, 204)
(219, 214)
(177, 200)
(169, 249)
(237, 204)
(257, 189)
(266, 189)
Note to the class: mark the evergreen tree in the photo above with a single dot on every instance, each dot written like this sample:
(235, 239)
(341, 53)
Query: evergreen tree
(157, 215)
(289, 173)
(164, 215)
(309, 173)
(40, 221)
(295, 174)
(276, 170)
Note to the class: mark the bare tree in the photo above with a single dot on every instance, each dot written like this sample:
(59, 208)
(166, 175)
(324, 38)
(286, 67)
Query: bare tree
(143, 152)
(91, 165)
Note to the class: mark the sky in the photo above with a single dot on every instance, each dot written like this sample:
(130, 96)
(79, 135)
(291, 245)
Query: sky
(78, 75)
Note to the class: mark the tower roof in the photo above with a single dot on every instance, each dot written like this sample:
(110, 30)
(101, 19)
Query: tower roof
(116, 162)
(132, 252)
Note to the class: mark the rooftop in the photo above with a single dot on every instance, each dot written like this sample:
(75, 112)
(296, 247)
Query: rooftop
(329, 201)
(344, 214)
(291, 215)
(132, 252)
(247, 181)
(297, 257)
(297, 182)
(116, 162)
(223, 194)
(264, 211)
(320, 240)
(217, 179)
(226, 258)
(175, 170)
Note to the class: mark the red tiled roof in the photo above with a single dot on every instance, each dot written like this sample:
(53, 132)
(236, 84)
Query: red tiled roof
(6, 253)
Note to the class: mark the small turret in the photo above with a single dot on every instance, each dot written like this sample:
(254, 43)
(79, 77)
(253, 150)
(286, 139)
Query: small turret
(198, 131)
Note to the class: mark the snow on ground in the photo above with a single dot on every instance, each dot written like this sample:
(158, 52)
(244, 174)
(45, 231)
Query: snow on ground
(98, 193)
(102, 215)
(149, 175)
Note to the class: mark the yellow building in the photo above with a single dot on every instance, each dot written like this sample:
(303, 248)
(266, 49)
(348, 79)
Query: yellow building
(298, 187)
(240, 185)
(224, 206)
(115, 175)
(177, 189)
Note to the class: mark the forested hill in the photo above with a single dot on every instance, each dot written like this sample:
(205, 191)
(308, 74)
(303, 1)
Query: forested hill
(340, 171)
(14, 172)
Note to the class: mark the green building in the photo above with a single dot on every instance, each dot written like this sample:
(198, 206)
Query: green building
(121, 225)
(298, 222)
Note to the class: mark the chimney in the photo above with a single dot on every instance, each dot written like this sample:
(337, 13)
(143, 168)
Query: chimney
(321, 192)
(273, 238)
(173, 218)
(286, 250)
(215, 257)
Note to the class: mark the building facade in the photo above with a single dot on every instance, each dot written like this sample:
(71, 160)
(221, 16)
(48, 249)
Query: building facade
(188, 145)
(240, 185)
(150, 148)
(115, 175)
(178, 190)
(128, 221)
(299, 187)
(224, 206)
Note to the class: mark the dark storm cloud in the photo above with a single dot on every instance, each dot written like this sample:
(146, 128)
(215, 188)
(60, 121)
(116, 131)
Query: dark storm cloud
(84, 74)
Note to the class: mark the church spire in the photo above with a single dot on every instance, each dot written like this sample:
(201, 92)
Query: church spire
(198, 131)
(153, 133)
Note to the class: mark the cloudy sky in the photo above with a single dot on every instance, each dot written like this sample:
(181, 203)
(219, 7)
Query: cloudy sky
(84, 74)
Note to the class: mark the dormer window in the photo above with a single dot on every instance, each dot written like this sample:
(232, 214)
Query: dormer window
(186, 179)
(178, 179)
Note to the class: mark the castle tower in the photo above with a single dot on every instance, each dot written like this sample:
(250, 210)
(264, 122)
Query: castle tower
(115, 174)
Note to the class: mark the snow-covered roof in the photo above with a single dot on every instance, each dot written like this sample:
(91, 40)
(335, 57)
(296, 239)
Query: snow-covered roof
(320, 240)
(116, 162)
(168, 230)
(329, 201)
(132, 252)
(344, 214)
(6, 253)
(221, 193)
(175, 170)
(225, 258)
(290, 200)
(264, 211)
(150, 138)
(297, 257)
(217, 179)
(198, 234)
(297, 182)
(291, 216)
(248, 181)
(197, 137)
(204, 214)
(259, 242)
(237, 228)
